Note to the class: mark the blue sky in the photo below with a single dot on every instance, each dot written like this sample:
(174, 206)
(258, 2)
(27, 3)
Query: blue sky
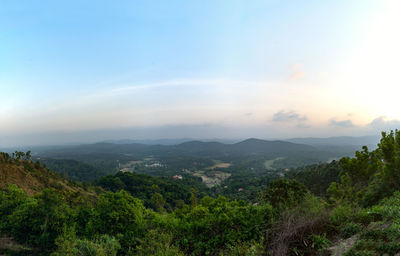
(74, 66)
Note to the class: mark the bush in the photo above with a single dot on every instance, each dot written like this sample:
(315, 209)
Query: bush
(10, 199)
(390, 248)
(284, 194)
(350, 229)
(40, 220)
(158, 242)
(366, 216)
(299, 230)
(118, 213)
(244, 249)
(69, 245)
(342, 214)
(319, 242)
(389, 208)
(216, 223)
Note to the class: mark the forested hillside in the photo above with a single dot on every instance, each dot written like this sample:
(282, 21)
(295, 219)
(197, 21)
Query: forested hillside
(33, 177)
(157, 193)
(77, 170)
(224, 168)
(346, 207)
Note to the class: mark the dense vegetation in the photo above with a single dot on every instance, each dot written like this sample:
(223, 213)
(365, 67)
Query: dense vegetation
(76, 170)
(347, 207)
(317, 177)
(156, 193)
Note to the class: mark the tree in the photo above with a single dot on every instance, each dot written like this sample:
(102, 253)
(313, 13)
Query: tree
(69, 244)
(283, 194)
(193, 197)
(208, 228)
(158, 202)
(28, 155)
(119, 214)
(40, 220)
(10, 199)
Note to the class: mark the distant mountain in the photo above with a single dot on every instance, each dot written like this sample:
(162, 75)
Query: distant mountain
(192, 148)
(339, 141)
(257, 146)
(200, 148)
(166, 142)
(150, 142)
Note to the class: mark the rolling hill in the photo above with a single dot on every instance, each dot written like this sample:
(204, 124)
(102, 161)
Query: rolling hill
(33, 177)
(248, 157)
(191, 148)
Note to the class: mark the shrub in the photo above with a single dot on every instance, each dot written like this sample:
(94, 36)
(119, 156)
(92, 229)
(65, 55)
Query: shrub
(40, 220)
(350, 229)
(389, 208)
(157, 242)
(284, 194)
(118, 213)
(210, 228)
(299, 229)
(342, 214)
(69, 245)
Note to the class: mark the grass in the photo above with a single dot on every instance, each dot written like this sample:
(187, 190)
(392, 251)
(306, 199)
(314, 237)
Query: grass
(269, 163)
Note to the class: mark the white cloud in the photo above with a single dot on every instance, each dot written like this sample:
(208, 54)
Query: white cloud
(383, 123)
(288, 116)
(342, 123)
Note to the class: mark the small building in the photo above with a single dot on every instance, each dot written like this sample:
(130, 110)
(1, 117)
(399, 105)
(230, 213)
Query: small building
(178, 177)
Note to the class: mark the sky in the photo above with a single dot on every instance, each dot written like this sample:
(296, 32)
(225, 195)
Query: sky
(84, 71)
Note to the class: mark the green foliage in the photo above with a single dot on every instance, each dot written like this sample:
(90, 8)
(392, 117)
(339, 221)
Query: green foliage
(377, 228)
(10, 199)
(244, 249)
(299, 230)
(175, 218)
(350, 229)
(69, 245)
(119, 214)
(245, 184)
(77, 170)
(318, 177)
(357, 173)
(377, 242)
(389, 208)
(319, 242)
(15, 157)
(370, 175)
(193, 197)
(145, 187)
(39, 220)
(342, 214)
(284, 194)
(158, 243)
(213, 224)
(158, 202)
(103, 246)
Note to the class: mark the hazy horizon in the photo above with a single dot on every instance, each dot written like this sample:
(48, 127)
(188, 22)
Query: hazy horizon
(146, 136)
(74, 71)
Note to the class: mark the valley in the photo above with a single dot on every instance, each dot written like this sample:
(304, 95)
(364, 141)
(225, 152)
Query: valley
(213, 163)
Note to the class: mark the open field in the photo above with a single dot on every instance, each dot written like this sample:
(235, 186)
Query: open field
(269, 163)
(219, 164)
